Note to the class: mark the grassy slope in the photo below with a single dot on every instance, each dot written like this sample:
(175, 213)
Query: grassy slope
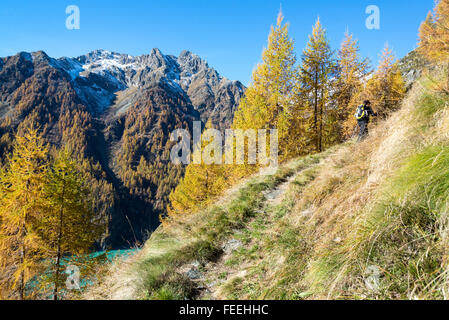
(376, 213)
(361, 221)
(154, 272)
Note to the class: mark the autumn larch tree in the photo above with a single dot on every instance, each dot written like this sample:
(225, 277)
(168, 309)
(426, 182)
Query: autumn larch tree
(315, 72)
(267, 104)
(269, 98)
(202, 181)
(386, 88)
(351, 75)
(21, 210)
(434, 33)
(69, 225)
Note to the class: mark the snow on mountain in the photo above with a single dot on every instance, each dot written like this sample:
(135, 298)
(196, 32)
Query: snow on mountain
(115, 110)
(100, 74)
(133, 71)
(71, 66)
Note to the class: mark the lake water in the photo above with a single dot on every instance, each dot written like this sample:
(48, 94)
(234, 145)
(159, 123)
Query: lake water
(115, 254)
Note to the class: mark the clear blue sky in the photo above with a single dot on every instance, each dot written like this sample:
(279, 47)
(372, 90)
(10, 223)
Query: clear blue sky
(230, 34)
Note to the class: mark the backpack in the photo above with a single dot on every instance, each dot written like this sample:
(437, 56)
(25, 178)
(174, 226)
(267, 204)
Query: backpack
(360, 113)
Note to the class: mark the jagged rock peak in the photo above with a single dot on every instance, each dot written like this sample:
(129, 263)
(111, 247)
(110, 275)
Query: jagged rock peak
(191, 62)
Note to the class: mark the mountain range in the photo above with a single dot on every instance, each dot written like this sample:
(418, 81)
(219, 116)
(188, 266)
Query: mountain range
(117, 112)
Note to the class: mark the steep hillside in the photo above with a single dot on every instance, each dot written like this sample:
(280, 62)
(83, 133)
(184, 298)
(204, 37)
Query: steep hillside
(117, 112)
(360, 221)
(412, 67)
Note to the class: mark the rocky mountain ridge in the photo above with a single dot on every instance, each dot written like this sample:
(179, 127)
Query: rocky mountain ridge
(117, 112)
(100, 74)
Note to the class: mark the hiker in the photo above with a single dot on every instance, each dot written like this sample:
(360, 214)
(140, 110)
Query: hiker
(363, 114)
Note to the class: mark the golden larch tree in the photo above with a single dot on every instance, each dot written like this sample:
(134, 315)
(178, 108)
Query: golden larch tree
(268, 100)
(69, 225)
(21, 211)
(434, 33)
(267, 104)
(315, 72)
(352, 72)
(386, 88)
(202, 181)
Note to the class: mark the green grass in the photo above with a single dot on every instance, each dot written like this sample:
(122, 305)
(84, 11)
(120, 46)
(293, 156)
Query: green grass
(160, 272)
(403, 232)
(406, 228)
(287, 240)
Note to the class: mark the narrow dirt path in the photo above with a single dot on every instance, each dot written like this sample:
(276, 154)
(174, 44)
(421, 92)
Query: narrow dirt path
(275, 197)
(214, 275)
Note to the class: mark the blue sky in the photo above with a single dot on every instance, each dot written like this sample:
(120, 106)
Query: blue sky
(229, 34)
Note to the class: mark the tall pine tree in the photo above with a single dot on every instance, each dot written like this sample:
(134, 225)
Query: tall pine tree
(351, 76)
(267, 105)
(21, 211)
(434, 33)
(69, 225)
(315, 72)
(386, 88)
(202, 182)
(269, 98)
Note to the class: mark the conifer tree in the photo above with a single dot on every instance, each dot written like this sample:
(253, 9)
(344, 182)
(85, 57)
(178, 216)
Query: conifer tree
(434, 33)
(315, 73)
(202, 182)
(21, 210)
(267, 105)
(351, 74)
(268, 100)
(69, 225)
(386, 88)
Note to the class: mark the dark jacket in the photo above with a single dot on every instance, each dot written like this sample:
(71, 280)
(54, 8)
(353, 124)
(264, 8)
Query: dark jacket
(368, 113)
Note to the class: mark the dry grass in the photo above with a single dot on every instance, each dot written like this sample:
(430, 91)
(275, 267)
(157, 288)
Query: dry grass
(379, 205)
(359, 202)
(119, 281)
(154, 272)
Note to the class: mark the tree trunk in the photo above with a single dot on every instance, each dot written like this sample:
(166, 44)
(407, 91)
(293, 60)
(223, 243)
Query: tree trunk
(59, 253)
(320, 146)
(22, 275)
(23, 249)
(316, 112)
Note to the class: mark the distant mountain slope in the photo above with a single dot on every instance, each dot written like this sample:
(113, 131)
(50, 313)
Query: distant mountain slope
(117, 111)
(100, 74)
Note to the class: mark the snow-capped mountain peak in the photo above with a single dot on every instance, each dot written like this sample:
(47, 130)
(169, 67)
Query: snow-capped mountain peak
(102, 78)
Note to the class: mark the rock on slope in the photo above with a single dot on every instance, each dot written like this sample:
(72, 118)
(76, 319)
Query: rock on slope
(412, 67)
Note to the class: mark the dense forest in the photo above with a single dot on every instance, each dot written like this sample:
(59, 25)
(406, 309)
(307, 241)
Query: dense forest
(117, 134)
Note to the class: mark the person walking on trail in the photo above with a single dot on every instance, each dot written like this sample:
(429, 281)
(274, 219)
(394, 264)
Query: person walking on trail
(363, 114)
